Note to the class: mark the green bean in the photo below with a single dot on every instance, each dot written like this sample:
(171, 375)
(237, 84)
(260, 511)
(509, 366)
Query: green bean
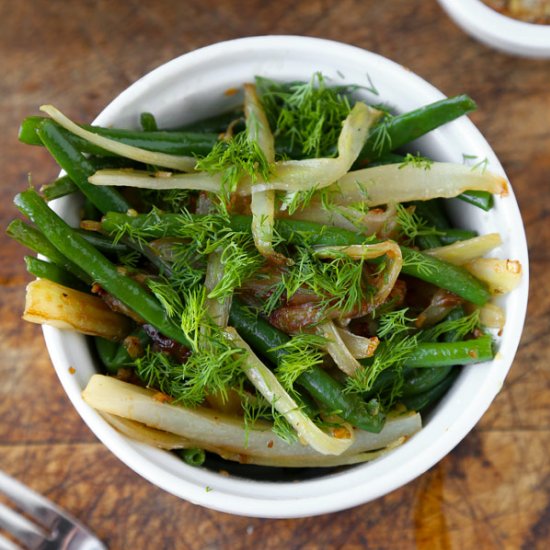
(103, 243)
(397, 131)
(127, 244)
(32, 238)
(330, 393)
(416, 264)
(388, 158)
(28, 130)
(79, 169)
(427, 241)
(451, 236)
(454, 314)
(481, 199)
(433, 212)
(385, 380)
(418, 380)
(422, 400)
(173, 143)
(266, 340)
(58, 188)
(415, 380)
(444, 275)
(47, 270)
(69, 243)
(421, 380)
(193, 457)
(306, 404)
(89, 211)
(431, 362)
(442, 354)
(215, 124)
(111, 221)
(148, 122)
(294, 231)
(263, 337)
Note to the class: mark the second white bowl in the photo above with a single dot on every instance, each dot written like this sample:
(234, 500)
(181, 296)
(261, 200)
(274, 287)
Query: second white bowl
(499, 31)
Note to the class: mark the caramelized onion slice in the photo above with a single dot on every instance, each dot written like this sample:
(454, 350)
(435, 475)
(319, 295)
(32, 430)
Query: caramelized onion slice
(336, 348)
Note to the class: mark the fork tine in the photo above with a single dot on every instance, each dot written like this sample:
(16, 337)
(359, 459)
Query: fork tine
(43, 510)
(20, 527)
(6, 544)
(64, 531)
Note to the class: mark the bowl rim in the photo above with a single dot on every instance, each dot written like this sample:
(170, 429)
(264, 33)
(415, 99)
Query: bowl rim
(281, 500)
(498, 30)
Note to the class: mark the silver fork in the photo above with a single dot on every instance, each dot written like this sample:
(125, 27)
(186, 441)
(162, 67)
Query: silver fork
(54, 530)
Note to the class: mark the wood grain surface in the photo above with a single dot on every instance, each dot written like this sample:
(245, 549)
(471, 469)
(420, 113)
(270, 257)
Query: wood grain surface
(492, 491)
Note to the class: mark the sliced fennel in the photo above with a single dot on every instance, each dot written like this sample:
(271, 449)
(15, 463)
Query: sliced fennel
(49, 303)
(501, 276)
(185, 164)
(211, 429)
(263, 200)
(375, 221)
(391, 183)
(144, 434)
(218, 309)
(301, 175)
(492, 316)
(161, 181)
(168, 441)
(464, 251)
(397, 183)
(272, 390)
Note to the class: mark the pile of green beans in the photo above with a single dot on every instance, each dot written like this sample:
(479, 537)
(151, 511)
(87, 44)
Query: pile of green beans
(263, 337)
(79, 258)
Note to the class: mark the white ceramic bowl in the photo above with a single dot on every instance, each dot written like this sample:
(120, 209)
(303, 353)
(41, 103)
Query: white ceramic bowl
(191, 87)
(499, 31)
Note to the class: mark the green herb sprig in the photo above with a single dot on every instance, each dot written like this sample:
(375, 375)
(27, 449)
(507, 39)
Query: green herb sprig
(412, 226)
(309, 114)
(235, 158)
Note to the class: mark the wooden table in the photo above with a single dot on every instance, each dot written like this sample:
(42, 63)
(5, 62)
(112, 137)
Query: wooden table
(492, 491)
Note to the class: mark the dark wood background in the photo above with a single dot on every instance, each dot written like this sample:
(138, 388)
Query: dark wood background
(492, 491)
